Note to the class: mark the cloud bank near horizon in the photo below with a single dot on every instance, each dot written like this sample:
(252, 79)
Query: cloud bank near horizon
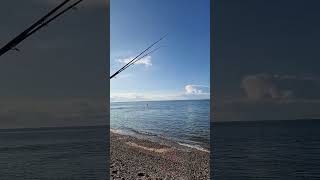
(190, 92)
(290, 96)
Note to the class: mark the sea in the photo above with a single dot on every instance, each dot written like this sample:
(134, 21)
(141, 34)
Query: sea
(185, 122)
(266, 150)
(257, 150)
(54, 153)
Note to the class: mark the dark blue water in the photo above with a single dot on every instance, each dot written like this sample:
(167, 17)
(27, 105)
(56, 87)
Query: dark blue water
(183, 121)
(54, 153)
(288, 150)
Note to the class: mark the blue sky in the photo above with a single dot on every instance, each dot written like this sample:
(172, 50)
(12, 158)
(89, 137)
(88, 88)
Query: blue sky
(181, 69)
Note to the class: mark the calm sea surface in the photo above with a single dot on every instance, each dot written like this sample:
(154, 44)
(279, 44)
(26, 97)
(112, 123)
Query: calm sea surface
(54, 153)
(286, 150)
(186, 122)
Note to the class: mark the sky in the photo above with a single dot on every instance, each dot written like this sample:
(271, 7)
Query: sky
(59, 76)
(178, 70)
(266, 60)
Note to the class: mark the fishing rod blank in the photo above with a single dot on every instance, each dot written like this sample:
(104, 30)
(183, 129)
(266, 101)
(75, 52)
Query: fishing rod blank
(131, 63)
(141, 58)
(128, 64)
(53, 18)
(18, 39)
(143, 51)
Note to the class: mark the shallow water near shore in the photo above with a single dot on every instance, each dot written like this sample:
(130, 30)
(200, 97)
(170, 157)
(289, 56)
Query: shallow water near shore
(185, 122)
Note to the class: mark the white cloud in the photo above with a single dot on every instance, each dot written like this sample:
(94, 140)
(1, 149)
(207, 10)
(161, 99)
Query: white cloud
(190, 92)
(131, 96)
(196, 89)
(144, 61)
(262, 87)
(134, 96)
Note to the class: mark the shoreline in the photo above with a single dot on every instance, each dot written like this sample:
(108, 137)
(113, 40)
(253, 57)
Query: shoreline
(162, 140)
(134, 158)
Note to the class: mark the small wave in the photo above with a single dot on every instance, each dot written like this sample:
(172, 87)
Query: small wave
(116, 131)
(132, 132)
(157, 138)
(141, 132)
(198, 147)
(157, 150)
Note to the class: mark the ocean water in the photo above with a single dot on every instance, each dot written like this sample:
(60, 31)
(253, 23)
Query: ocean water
(286, 150)
(185, 122)
(54, 153)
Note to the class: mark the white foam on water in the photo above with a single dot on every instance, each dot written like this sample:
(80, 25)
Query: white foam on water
(117, 131)
(161, 140)
(158, 150)
(194, 147)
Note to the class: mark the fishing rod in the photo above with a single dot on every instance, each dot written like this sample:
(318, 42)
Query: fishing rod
(53, 18)
(140, 58)
(124, 67)
(135, 59)
(11, 45)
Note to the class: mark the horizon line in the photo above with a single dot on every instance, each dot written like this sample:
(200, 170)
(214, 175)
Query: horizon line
(161, 100)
